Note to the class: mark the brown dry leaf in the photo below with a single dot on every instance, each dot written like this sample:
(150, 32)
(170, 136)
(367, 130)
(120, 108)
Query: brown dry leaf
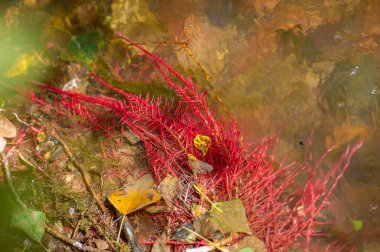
(345, 133)
(7, 129)
(155, 209)
(168, 189)
(202, 143)
(159, 244)
(198, 166)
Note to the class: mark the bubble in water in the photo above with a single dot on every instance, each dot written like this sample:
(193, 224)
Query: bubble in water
(338, 36)
(71, 211)
(373, 91)
(354, 71)
(373, 207)
(341, 104)
(27, 243)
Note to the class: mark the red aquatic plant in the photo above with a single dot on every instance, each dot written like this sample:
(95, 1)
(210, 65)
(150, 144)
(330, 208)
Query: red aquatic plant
(241, 170)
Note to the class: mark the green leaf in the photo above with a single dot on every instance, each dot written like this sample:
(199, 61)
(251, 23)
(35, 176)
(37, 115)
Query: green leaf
(30, 221)
(230, 216)
(357, 224)
(246, 250)
(83, 48)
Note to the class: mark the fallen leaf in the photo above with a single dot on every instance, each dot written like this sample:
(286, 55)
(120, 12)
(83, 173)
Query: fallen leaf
(202, 143)
(129, 201)
(30, 221)
(357, 224)
(155, 209)
(345, 133)
(160, 245)
(249, 244)
(198, 166)
(7, 129)
(41, 137)
(231, 218)
(168, 189)
(83, 48)
(198, 210)
(21, 66)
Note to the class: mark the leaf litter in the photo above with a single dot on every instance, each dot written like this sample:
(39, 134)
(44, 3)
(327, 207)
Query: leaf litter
(224, 185)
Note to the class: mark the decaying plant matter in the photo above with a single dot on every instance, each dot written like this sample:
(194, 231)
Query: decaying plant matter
(240, 170)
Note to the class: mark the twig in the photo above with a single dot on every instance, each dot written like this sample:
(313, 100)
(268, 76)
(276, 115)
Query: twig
(75, 232)
(84, 174)
(96, 225)
(8, 178)
(72, 242)
(130, 235)
(207, 240)
(101, 231)
(121, 227)
(29, 165)
(204, 196)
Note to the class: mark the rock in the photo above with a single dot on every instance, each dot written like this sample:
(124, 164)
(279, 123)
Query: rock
(131, 137)
(198, 166)
(101, 244)
(7, 129)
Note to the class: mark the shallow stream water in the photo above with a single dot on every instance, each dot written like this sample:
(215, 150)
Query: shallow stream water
(295, 66)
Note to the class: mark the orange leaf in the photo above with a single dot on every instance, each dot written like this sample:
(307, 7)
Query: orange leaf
(202, 143)
(128, 202)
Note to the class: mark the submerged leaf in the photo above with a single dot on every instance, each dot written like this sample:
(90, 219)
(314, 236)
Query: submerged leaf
(357, 224)
(83, 48)
(249, 244)
(30, 221)
(128, 202)
(232, 218)
(202, 143)
(21, 66)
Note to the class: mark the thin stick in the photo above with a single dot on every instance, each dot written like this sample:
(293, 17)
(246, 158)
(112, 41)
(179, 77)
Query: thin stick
(84, 174)
(8, 178)
(207, 240)
(100, 231)
(121, 227)
(72, 242)
(204, 196)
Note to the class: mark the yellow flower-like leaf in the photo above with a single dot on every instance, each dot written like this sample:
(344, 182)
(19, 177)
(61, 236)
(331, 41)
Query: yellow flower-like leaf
(21, 66)
(202, 143)
(128, 202)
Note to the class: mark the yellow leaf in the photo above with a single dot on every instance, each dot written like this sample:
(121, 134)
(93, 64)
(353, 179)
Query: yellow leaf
(23, 62)
(202, 143)
(128, 202)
